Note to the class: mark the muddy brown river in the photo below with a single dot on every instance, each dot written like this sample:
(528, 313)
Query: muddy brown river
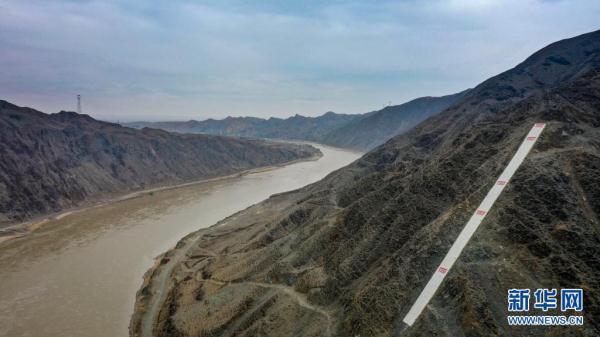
(77, 276)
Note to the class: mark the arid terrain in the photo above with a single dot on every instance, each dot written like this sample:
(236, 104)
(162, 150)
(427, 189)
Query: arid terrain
(344, 168)
(348, 255)
(53, 162)
(80, 272)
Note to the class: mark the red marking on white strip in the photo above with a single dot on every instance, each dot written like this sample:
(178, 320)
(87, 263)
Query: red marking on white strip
(467, 232)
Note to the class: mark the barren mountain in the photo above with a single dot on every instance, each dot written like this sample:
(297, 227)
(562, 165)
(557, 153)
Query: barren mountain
(347, 256)
(296, 127)
(57, 161)
(360, 132)
(375, 128)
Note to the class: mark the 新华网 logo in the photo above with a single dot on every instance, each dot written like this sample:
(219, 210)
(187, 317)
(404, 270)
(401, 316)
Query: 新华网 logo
(571, 300)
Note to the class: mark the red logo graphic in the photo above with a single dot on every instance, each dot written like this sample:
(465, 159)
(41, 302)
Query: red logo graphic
(531, 138)
(481, 212)
(501, 182)
(443, 270)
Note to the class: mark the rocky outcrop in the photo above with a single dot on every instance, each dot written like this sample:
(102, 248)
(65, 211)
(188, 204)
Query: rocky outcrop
(52, 162)
(358, 246)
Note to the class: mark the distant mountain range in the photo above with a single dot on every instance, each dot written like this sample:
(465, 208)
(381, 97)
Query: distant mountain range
(375, 128)
(348, 256)
(52, 162)
(296, 127)
(360, 131)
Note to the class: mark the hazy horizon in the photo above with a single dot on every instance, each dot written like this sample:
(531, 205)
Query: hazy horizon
(131, 60)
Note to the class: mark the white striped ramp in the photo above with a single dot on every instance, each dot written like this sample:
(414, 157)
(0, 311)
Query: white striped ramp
(467, 232)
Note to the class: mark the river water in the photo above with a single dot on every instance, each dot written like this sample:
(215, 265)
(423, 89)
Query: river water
(77, 276)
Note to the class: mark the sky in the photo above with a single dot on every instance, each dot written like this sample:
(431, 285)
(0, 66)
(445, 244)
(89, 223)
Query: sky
(183, 59)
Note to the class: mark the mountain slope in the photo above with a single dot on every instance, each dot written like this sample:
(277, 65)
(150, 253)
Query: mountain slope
(52, 162)
(348, 255)
(297, 127)
(376, 128)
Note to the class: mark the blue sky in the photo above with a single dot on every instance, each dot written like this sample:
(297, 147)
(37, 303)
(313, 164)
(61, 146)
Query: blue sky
(181, 59)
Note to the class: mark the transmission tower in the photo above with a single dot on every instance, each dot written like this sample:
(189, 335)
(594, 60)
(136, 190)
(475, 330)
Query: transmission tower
(79, 104)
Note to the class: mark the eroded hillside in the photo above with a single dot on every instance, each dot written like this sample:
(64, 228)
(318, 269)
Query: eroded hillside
(377, 127)
(348, 255)
(57, 161)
